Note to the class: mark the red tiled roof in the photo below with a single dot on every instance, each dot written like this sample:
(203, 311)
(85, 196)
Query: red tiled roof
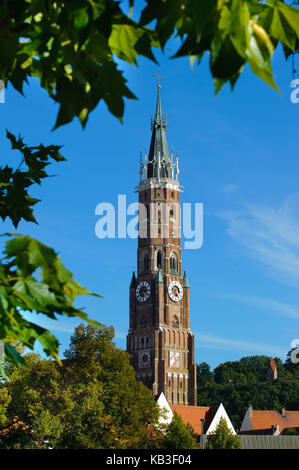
(193, 414)
(272, 364)
(15, 425)
(266, 419)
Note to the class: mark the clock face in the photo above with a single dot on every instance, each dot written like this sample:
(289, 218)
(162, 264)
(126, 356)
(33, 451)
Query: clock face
(174, 359)
(175, 291)
(144, 359)
(143, 291)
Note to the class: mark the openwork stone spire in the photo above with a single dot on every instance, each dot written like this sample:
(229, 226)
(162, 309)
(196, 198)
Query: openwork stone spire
(159, 164)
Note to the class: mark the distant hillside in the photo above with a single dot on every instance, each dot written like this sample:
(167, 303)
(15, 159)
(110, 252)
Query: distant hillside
(240, 383)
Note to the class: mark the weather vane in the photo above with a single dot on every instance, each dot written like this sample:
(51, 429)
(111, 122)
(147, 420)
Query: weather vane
(158, 78)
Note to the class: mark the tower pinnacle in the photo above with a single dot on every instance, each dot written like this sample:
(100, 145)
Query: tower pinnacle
(159, 164)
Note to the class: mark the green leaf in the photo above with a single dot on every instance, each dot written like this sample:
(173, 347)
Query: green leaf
(201, 12)
(290, 14)
(239, 22)
(35, 296)
(166, 13)
(33, 278)
(259, 64)
(15, 200)
(122, 42)
(30, 254)
(80, 18)
(225, 61)
(115, 89)
(12, 355)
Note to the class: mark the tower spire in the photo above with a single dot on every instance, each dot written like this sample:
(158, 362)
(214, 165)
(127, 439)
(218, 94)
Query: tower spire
(158, 115)
(159, 164)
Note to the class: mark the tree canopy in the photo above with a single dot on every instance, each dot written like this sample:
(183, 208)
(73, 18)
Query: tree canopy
(178, 436)
(237, 384)
(92, 401)
(73, 48)
(222, 437)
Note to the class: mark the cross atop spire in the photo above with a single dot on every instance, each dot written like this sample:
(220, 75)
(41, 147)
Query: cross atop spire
(158, 78)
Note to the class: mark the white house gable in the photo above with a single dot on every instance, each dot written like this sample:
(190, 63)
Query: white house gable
(220, 413)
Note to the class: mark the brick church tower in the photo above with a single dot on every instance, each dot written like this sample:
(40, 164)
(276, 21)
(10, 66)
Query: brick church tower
(159, 340)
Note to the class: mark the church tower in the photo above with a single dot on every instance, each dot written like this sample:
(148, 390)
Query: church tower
(160, 340)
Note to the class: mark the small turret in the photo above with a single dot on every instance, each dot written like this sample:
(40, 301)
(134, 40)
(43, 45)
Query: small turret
(185, 280)
(133, 281)
(159, 277)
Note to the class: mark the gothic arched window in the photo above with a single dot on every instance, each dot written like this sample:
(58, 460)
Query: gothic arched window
(173, 213)
(159, 260)
(174, 264)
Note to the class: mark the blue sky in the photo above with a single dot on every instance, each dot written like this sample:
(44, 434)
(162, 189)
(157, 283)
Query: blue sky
(238, 155)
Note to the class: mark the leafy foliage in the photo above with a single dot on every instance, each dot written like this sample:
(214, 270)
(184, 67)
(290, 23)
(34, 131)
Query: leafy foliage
(92, 401)
(32, 275)
(20, 290)
(247, 369)
(72, 46)
(238, 383)
(234, 32)
(5, 400)
(222, 437)
(178, 436)
(292, 367)
(15, 202)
